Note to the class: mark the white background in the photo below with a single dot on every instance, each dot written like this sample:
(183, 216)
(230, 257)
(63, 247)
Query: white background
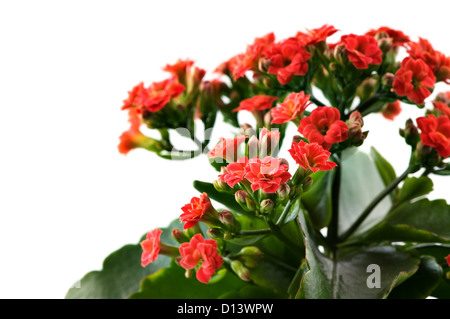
(67, 197)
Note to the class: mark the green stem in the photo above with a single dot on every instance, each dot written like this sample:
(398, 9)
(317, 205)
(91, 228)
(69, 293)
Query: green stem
(334, 223)
(285, 212)
(376, 201)
(252, 232)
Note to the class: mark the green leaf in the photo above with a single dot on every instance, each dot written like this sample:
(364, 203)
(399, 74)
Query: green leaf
(385, 169)
(346, 276)
(171, 283)
(252, 292)
(360, 183)
(225, 199)
(422, 283)
(414, 187)
(317, 200)
(121, 273)
(421, 221)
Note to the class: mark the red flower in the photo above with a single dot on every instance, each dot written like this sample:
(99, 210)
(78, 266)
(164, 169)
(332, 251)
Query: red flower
(436, 60)
(199, 209)
(292, 108)
(256, 103)
(234, 172)
(130, 101)
(227, 148)
(268, 174)
(398, 37)
(158, 94)
(314, 36)
(311, 156)
(179, 68)
(287, 58)
(132, 138)
(244, 62)
(150, 247)
(324, 127)
(199, 250)
(448, 260)
(442, 108)
(391, 110)
(414, 79)
(436, 133)
(362, 50)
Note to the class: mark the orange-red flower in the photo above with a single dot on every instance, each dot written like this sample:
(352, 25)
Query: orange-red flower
(132, 138)
(150, 247)
(324, 127)
(256, 103)
(314, 36)
(267, 173)
(292, 108)
(441, 108)
(448, 260)
(311, 156)
(435, 132)
(203, 251)
(414, 79)
(227, 148)
(287, 58)
(397, 37)
(158, 94)
(234, 172)
(198, 210)
(362, 50)
(438, 62)
(391, 110)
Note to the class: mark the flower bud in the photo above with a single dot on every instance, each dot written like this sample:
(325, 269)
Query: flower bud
(227, 218)
(427, 155)
(180, 236)
(263, 64)
(284, 190)
(387, 80)
(240, 270)
(268, 142)
(340, 54)
(247, 130)
(410, 133)
(222, 186)
(296, 139)
(189, 273)
(355, 124)
(366, 89)
(307, 183)
(253, 147)
(243, 199)
(249, 256)
(214, 233)
(266, 206)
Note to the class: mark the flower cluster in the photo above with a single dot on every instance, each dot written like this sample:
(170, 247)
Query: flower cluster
(273, 80)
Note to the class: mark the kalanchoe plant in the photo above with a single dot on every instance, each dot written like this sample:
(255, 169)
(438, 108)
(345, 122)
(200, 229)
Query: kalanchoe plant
(336, 222)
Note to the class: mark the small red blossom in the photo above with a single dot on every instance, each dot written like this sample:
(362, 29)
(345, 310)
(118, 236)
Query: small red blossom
(197, 210)
(201, 251)
(314, 36)
(448, 260)
(132, 138)
(256, 103)
(414, 79)
(398, 37)
(235, 172)
(438, 62)
(287, 58)
(150, 247)
(311, 156)
(441, 108)
(362, 50)
(324, 127)
(244, 62)
(435, 132)
(391, 110)
(130, 101)
(227, 148)
(179, 68)
(267, 173)
(158, 94)
(292, 108)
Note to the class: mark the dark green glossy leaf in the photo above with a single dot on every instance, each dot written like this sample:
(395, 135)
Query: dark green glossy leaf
(347, 276)
(422, 283)
(360, 183)
(421, 221)
(414, 187)
(122, 272)
(171, 283)
(385, 169)
(317, 200)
